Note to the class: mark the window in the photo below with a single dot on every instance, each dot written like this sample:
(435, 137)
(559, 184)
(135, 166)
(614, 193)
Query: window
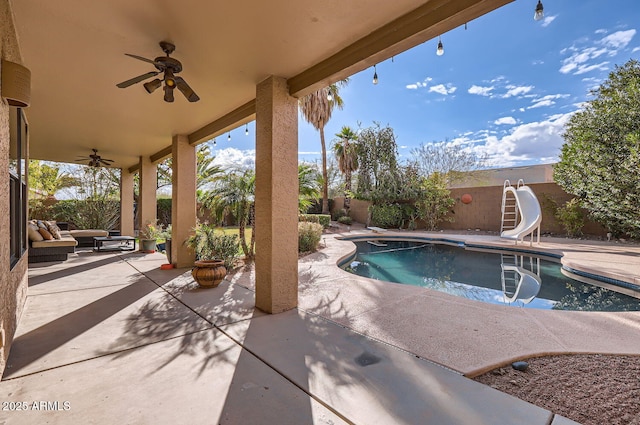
(18, 184)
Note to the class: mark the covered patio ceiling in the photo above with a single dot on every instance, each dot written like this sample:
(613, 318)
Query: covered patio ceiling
(75, 51)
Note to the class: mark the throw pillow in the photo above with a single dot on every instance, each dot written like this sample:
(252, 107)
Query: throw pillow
(45, 234)
(32, 231)
(53, 229)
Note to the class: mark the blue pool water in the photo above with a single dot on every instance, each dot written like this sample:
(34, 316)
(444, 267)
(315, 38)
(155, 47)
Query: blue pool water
(492, 277)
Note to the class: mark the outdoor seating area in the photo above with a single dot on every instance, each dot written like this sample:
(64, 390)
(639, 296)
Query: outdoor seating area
(51, 241)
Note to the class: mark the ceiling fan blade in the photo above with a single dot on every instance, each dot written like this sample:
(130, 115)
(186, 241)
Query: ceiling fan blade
(186, 90)
(141, 58)
(137, 79)
(107, 161)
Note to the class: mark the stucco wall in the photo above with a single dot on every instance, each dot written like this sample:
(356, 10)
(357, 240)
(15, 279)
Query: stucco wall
(484, 210)
(13, 283)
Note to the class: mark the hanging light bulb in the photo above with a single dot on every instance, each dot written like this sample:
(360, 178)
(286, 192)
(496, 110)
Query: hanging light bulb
(375, 75)
(229, 137)
(329, 95)
(214, 142)
(246, 129)
(440, 49)
(539, 11)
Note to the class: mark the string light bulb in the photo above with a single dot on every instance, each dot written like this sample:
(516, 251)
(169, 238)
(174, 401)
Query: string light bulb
(214, 142)
(440, 49)
(229, 137)
(246, 129)
(329, 95)
(539, 14)
(375, 75)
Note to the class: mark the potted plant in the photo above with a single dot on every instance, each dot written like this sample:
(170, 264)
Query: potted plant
(148, 235)
(215, 253)
(166, 245)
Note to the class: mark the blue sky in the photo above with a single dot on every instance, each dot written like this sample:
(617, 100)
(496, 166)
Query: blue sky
(505, 86)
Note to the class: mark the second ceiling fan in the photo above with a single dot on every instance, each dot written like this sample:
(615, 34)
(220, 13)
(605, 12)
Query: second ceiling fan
(169, 67)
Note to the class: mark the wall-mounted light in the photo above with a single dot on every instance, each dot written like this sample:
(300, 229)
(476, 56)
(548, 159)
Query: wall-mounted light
(375, 75)
(246, 129)
(539, 14)
(440, 49)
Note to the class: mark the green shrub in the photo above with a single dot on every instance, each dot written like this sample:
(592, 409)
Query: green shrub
(571, 217)
(163, 210)
(336, 215)
(345, 219)
(436, 201)
(309, 235)
(386, 216)
(208, 243)
(323, 219)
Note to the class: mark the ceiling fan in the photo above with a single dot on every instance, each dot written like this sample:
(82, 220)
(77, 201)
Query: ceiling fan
(95, 160)
(167, 65)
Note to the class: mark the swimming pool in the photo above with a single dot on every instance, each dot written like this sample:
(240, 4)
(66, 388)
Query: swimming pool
(497, 277)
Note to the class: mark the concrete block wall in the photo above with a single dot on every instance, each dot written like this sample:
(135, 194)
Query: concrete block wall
(13, 282)
(484, 210)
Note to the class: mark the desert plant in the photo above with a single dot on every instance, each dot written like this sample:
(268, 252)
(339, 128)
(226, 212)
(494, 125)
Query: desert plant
(151, 231)
(345, 219)
(309, 235)
(209, 243)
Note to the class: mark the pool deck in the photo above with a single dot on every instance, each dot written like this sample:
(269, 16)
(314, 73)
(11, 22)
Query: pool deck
(125, 342)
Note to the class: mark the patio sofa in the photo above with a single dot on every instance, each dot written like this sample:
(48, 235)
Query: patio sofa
(62, 243)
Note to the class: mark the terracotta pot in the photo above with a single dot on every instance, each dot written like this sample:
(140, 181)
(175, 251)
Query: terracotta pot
(209, 273)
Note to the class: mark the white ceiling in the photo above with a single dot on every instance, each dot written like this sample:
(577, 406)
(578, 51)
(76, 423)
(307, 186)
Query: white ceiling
(75, 51)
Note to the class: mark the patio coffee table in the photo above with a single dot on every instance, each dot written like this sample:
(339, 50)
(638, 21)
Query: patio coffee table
(128, 243)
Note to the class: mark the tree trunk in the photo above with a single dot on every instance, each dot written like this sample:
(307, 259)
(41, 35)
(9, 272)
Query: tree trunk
(252, 222)
(325, 177)
(347, 190)
(243, 242)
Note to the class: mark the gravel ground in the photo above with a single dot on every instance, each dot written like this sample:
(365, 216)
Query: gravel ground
(590, 389)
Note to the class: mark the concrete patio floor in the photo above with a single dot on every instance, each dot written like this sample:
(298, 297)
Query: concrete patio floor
(121, 341)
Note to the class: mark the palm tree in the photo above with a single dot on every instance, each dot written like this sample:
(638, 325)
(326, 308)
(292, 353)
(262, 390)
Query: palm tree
(317, 108)
(346, 151)
(308, 186)
(234, 193)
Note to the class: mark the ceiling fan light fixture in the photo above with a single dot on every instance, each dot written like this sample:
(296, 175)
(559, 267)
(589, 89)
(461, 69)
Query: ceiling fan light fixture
(152, 85)
(168, 93)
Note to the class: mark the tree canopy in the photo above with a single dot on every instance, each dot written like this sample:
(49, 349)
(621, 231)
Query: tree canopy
(600, 159)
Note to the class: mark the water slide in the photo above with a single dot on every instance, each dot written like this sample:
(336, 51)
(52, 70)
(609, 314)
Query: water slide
(528, 210)
(527, 287)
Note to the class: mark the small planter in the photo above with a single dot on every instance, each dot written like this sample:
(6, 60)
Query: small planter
(148, 245)
(209, 273)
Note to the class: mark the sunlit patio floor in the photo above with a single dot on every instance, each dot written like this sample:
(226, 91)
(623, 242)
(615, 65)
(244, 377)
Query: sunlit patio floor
(113, 339)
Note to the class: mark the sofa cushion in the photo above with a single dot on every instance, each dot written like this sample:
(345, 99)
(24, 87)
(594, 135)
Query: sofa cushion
(63, 241)
(88, 233)
(32, 231)
(53, 229)
(46, 235)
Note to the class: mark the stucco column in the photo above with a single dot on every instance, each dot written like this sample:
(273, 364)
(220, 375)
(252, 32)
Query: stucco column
(183, 199)
(126, 203)
(276, 197)
(147, 204)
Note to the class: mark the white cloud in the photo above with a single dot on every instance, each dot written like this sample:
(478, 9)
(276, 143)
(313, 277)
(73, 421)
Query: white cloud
(547, 20)
(235, 158)
(635, 49)
(601, 31)
(419, 84)
(521, 109)
(309, 153)
(516, 91)
(619, 39)
(442, 89)
(581, 59)
(403, 147)
(531, 141)
(505, 120)
(547, 100)
(480, 91)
